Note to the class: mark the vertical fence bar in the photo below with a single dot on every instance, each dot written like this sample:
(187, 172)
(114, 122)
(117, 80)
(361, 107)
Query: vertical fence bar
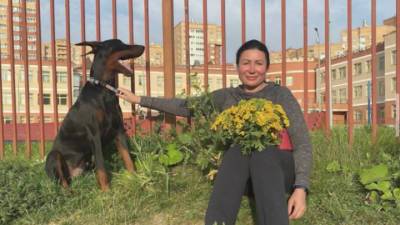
(350, 119)
(68, 44)
(98, 31)
(187, 47)
(40, 79)
(205, 44)
(1, 111)
(147, 52)
(263, 21)
(327, 71)
(12, 65)
(373, 78)
(243, 20)
(114, 30)
(28, 152)
(305, 58)
(283, 13)
(223, 49)
(53, 65)
(397, 64)
(114, 19)
(131, 41)
(169, 59)
(83, 38)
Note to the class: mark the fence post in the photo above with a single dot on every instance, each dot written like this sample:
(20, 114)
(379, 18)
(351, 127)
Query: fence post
(169, 56)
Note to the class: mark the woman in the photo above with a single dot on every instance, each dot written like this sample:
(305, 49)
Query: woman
(272, 172)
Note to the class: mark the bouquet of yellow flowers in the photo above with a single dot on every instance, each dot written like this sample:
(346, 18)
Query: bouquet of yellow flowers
(253, 124)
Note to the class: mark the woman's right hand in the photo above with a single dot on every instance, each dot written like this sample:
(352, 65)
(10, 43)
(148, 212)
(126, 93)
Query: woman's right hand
(128, 95)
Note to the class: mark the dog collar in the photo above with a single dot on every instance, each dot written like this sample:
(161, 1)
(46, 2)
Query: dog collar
(104, 84)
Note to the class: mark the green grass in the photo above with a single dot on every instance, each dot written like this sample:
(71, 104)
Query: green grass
(179, 195)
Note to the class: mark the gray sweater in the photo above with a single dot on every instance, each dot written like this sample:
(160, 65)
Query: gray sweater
(226, 97)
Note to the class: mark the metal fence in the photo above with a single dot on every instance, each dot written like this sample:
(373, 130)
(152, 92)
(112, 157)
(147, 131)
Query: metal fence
(44, 130)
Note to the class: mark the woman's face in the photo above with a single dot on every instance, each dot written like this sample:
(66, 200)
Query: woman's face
(252, 69)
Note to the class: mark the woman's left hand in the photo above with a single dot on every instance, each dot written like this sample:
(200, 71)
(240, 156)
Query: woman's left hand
(297, 204)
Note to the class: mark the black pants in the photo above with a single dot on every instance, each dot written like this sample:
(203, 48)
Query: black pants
(272, 175)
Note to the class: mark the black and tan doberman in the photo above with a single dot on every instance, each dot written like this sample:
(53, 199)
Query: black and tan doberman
(95, 119)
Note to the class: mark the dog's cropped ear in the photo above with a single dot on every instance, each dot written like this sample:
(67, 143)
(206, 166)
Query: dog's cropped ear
(95, 45)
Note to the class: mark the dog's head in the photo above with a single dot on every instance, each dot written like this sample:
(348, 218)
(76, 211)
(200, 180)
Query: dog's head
(110, 58)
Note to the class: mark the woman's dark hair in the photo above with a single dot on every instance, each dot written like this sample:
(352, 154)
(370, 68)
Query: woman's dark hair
(253, 44)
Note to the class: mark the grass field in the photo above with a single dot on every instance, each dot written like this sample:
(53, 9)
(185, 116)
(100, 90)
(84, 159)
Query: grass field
(179, 195)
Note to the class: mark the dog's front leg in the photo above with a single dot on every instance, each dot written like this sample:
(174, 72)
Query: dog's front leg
(122, 145)
(101, 173)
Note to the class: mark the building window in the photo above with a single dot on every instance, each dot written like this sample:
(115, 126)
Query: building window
(278, 80)
(141, 80)
(381, 88)
(334, 96)
(31, 29)
(46, 76)
(126, 81)
(358, 91)
(358, 115)
(368, 66)
(394, 111)
(61, 99)
(7, 98)
(178, 82)
(62, 77)
(31, 47)
(31, 38)
(334, 76)
(233, 82)
(5, 75)
(22, 75)
(31, 19)
(357, 69)
(289, 81)
(21, 99)
(393, 57)
(381, 114)
(342, 73)
(381, 63)
(160, 81)
(393, 84)
(46, 99)
(7, 119)
(16, 28)
(342, 95)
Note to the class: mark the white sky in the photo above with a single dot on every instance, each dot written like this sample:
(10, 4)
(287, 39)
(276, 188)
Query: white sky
(294, 19)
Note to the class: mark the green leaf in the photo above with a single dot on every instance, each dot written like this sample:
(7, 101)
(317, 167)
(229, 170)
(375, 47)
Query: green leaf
(374, 174)
(333, 167)
(387, 196)
(185, 138)
(396, 194)
(383, 186)
(173, 156)
(373, 197)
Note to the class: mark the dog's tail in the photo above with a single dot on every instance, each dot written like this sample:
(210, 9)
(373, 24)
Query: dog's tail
(57, 168)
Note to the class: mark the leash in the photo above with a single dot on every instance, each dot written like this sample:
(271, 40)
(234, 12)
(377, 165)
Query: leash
(104, 84)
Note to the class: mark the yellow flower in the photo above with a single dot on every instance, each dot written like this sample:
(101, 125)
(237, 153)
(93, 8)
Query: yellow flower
(243, 123)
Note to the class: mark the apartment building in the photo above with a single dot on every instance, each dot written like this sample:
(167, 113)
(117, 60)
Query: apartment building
(18, 29)
(361, 72)
(390, 78)
(361, 40)
(61, 51)
(196, 43)
(156, 56)
(47, 81)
